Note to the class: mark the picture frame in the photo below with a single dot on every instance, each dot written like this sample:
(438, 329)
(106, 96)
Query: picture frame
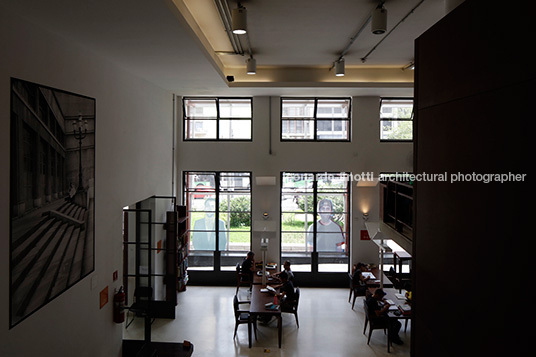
(52, 194)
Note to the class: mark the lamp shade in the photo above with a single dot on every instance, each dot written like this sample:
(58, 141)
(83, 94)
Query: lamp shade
(251, 65)
(339, 68)
(379, 21)
(239, 20)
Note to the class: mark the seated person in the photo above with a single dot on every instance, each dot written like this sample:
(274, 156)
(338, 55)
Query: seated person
(287, 294)
(358, 280)
(248, 265)
(378, 307)
(286, 269)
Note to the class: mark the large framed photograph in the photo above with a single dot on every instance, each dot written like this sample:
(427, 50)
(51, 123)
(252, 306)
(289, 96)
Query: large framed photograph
(52, 190)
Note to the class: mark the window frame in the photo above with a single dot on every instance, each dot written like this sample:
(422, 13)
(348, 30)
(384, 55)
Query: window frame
(397, 119)
(216, 253)
(217, 119)
(315, 192)
(315, 119)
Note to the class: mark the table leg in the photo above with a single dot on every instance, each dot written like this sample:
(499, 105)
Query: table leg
(249, 331)
(279, 328)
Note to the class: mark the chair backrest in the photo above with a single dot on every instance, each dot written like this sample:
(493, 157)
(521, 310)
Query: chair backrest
(235, 305)
(365, 307)
(375, 321)
(143, 293)
(297, 291)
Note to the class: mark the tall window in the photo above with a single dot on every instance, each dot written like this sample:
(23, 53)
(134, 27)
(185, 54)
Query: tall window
(315, 119)
(217, 118)
(315, 218)
(396, 119)
(219, 207)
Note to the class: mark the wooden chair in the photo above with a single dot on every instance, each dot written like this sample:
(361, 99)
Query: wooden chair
(140, 307)
(292, 308)
(375, 323)
(351, 280)
(243, 317)
(356, 290)
(242, 279)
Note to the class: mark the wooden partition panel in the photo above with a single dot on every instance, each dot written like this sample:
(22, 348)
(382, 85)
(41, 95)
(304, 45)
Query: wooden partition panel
(473, 94)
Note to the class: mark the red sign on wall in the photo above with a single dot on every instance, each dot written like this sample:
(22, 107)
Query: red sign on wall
(364, 235)
(103, 297)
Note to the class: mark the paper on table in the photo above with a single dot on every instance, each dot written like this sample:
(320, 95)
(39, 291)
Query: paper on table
(367, 274)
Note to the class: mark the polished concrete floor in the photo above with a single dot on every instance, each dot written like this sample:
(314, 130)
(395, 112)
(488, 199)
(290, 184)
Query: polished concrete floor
(328, 327)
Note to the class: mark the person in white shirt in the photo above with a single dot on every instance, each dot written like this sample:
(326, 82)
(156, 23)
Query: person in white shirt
(329, 235)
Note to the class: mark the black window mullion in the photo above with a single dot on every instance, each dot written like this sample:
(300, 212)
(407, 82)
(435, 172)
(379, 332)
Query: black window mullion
(315, 210)
(217, 121)
(315, 137)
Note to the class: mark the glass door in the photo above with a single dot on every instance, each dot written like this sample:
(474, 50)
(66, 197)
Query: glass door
(315, 221)
(219, 207)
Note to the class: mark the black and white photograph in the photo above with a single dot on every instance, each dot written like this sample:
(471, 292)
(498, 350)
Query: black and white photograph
(51, 194)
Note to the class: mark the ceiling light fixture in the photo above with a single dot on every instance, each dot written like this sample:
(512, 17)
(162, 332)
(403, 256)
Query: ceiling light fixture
(364, 59)
(239, 20)
(379, 20)
(251, 65)
(339, 67)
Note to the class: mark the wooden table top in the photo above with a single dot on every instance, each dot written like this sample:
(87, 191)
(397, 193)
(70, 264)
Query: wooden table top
(401, 254)
(258, 301)
(376, 282)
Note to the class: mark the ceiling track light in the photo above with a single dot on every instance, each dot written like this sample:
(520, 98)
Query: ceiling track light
(339, 67)
(364, 59)
(251, 65)
(379, 20)
(239, 20)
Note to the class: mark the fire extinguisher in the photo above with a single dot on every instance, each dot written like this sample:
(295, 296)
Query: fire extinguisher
(119, 306)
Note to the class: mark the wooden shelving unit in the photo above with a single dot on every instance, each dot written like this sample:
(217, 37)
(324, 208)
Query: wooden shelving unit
(396, 207)
(177, 250)
(182, 248)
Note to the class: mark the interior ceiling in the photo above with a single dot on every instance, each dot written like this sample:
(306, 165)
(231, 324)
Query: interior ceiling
(296, 42)
(176, 44)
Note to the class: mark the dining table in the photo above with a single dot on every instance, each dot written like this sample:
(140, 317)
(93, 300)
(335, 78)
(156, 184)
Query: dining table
(259, 299)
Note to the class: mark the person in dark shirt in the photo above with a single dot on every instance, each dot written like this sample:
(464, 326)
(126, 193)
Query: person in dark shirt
(358, 280)
(287, 294)
(248, 265)
(286, 269)
(378, 307)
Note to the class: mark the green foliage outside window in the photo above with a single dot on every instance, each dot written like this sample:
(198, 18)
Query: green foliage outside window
(239, 210)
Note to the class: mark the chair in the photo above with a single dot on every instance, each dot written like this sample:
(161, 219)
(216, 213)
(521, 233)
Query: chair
(356, 290)
(242, 279)
(292, 307)
(351, 286)
(140, 307)
(243, 317)
(375, 323)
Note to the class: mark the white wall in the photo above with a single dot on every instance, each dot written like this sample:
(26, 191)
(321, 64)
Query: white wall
(364, 153)
(133, 162)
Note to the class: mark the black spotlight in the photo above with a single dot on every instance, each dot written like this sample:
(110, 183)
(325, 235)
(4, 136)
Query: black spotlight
(230, 78)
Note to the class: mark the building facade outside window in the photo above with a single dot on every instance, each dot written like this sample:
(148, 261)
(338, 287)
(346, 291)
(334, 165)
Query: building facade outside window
(315, 119)
(219, 209)
(396, 119)
(227, 119)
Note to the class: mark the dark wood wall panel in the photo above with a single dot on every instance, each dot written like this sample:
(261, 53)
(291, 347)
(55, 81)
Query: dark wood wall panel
(476, 48)
(471, 239)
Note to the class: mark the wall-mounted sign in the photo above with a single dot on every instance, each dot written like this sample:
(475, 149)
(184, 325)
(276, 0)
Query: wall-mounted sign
(364, 235)
(103, 297)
